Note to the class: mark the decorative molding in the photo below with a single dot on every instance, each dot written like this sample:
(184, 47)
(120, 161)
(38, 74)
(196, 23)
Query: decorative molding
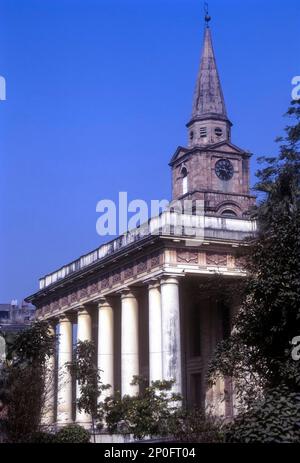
(82, 292)
(105, 281)
(73, 297)
(189, 257)
(240, 262)
(64, 301)
(93, 287)
(216, 259)
(55, 305)
(116, 277)
(142, 265)
(128, 271)
(155, 259)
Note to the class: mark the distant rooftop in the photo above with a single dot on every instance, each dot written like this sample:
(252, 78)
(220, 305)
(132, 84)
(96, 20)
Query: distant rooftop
(14, 317)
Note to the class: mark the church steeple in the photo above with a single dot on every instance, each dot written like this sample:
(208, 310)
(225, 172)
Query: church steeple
(209, 123)
(211, 169)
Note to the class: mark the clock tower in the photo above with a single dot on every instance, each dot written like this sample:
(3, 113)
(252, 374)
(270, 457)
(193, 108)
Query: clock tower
(211, 168)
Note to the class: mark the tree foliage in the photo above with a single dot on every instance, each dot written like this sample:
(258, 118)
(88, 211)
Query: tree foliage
(22, 384)
(192, 425)
(148, 413)
(274, 418)
(84, 369)
(258, 353)
(72, 434)
(156, 412)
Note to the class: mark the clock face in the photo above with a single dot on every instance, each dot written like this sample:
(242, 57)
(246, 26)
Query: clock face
(224, 169)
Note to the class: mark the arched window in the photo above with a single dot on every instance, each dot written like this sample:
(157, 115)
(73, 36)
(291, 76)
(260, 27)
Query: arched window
(184, 180)
(229, 213)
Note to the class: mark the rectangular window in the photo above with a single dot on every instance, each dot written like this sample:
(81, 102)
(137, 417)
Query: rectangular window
(196, 390)
(203, 132)
(195, 337)
(184, 185)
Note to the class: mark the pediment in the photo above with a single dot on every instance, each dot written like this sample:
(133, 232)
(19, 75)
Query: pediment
(226, 147)
(181, 151)
(221, 147)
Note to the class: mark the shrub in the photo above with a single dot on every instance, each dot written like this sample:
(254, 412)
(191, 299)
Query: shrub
(150, 413)
(42, 437)
(72, 434)
(192, 426)
(274, 419)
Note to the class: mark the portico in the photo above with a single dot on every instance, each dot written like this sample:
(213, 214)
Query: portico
(151, 311)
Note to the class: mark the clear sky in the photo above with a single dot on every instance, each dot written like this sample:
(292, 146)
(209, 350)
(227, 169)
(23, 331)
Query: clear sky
(98, 94)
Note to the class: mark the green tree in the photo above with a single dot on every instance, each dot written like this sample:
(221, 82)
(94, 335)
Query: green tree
(157, 412)
(149, 413)
(85, 371)
(22, 387)
(258, 353)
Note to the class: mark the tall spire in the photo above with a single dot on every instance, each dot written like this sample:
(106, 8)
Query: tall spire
(208, 97)
(208, 103)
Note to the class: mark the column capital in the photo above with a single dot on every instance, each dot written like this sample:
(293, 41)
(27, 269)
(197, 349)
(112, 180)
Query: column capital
(102, 302)
(65, 318)
(52, 326)
(153, 283)
(169, 279)
(82, 310)
(53, 321)
(127, 293)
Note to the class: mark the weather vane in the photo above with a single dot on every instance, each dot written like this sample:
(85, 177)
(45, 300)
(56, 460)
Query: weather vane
(207, 17)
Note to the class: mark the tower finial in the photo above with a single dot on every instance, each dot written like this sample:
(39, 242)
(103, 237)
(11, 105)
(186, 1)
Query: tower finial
(207, 18)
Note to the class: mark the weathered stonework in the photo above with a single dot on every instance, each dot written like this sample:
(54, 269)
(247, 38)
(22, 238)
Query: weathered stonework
(219, 260)
(128, 272)
(187, 256)
(142, 265)
(210, 141)
(203, 183)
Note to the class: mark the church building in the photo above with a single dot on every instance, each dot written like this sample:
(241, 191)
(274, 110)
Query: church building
(156, 305)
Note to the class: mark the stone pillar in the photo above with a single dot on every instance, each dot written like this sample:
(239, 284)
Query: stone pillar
(155, 332)
(215, 399)
(48, 410)
(106, 345)
(129, 342)
(84, 333)
(171, 344)
(64, 396)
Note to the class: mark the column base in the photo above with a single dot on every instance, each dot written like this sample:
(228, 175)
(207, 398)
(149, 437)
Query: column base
(61, 424)
(85, 424)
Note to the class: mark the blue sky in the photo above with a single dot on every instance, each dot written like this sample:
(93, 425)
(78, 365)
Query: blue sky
(98, 94)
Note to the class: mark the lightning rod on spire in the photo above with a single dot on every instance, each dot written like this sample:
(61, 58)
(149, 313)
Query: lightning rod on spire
(207, 18)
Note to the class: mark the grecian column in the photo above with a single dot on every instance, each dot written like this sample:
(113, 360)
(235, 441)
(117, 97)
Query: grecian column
(155, 332)
(129, 342)
(106, 345)
(171, 344)
(84, 333)
(48, 411)
(64, 395)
